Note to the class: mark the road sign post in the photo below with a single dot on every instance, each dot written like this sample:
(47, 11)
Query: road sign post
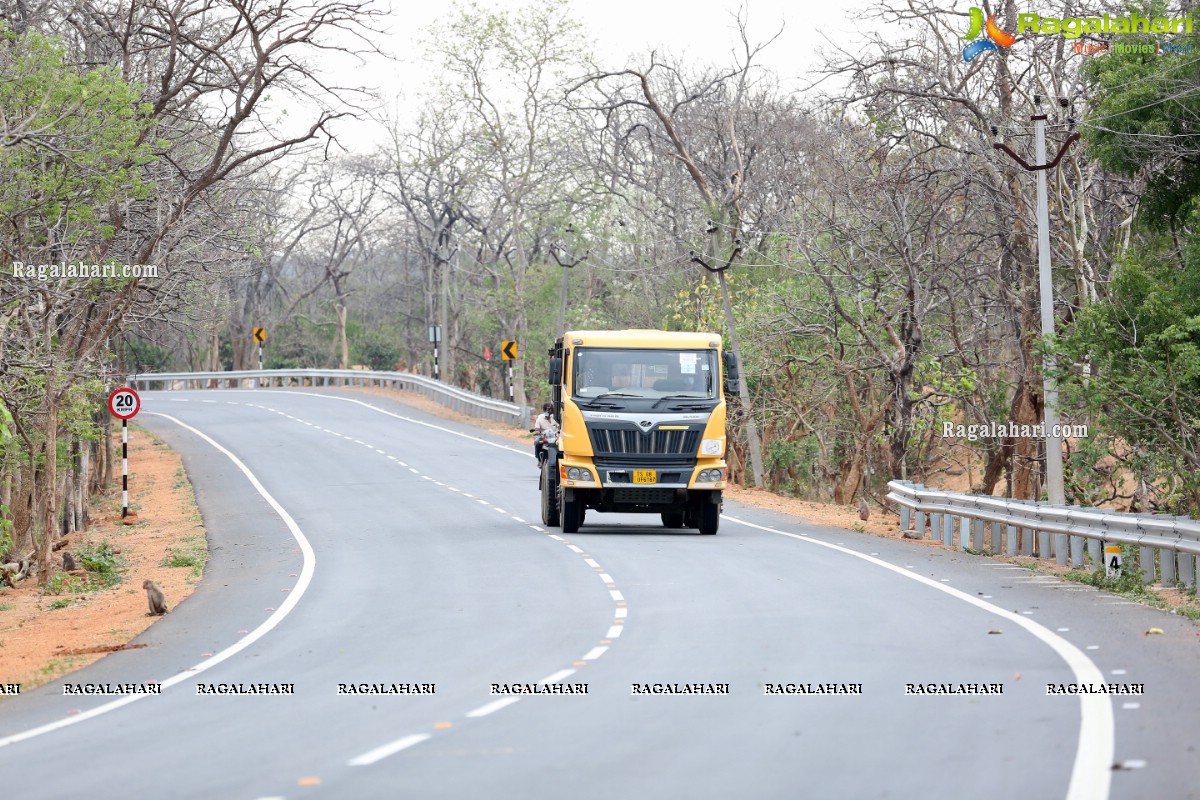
(508, 351)
(435, 336)
(1112, 560)
(260, 336)
(124, 404)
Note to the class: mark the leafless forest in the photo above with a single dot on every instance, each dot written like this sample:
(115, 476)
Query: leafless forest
(872, 252)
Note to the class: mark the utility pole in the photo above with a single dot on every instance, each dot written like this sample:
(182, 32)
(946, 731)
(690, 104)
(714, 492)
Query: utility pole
(562, 294)
(711, 264)
(1055, 491)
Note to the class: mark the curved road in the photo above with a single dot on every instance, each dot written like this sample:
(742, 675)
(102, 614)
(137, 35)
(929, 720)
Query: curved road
(357, 541)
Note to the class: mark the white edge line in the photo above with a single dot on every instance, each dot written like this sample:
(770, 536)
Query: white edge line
(493, 706)
(289, 602)
(1091, 775)
(400, 416)
(382, 752)
(558, 676)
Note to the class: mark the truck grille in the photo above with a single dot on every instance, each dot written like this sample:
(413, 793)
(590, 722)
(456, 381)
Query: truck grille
(627, 441)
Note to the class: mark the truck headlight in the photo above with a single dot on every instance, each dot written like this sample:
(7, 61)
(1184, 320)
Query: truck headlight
(579, 474)
(711, 447)
(710, 475)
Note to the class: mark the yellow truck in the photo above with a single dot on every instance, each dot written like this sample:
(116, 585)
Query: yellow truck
(642, 427)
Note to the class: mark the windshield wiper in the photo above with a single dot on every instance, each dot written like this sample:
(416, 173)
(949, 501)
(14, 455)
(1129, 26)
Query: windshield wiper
(592, 401)
(679, 397)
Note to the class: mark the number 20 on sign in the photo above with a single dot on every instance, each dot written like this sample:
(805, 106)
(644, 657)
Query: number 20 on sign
(124, 404)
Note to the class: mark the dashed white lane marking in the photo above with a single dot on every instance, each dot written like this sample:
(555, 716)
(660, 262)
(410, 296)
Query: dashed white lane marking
(620, 614)
(1091, 773)
(492, 707)
(558, 676)
(1093, 647)
(380, 753)
(285, 608)
(575, 549)
(1062, 630)
(1117, 672)
(1130, 706)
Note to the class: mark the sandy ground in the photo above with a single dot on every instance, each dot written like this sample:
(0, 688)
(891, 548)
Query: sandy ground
(39, 642)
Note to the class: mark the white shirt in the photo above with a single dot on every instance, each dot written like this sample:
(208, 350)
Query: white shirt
(545, 422)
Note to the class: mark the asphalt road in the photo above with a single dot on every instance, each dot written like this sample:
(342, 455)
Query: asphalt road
(390, 547)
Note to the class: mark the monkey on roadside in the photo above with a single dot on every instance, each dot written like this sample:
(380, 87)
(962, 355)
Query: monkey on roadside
(158, 600)
(69, 561)
(864, 509)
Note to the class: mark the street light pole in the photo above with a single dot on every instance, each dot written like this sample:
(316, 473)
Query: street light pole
(1055, 491)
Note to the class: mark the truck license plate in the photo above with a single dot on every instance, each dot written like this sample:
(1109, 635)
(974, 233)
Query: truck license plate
(645, 476)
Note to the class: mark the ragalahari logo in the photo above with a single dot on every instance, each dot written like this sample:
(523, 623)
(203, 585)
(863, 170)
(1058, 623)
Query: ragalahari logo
(996, 38)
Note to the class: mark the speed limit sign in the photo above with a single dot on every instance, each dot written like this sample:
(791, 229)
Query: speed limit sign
(124, 403)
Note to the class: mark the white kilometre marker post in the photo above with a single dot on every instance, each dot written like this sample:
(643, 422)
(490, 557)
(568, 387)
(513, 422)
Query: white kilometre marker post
(124, 404)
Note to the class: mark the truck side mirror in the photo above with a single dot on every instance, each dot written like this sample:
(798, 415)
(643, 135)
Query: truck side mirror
(555, 371)
(732, 375)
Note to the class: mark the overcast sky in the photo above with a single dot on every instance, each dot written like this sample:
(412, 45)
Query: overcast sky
(699, 30)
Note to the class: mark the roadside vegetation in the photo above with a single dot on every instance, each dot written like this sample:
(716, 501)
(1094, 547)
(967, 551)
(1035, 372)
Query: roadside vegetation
(877, 254)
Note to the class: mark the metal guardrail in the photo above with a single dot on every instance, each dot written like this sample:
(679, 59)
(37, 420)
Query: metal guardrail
(1167, 547)
(451, 397)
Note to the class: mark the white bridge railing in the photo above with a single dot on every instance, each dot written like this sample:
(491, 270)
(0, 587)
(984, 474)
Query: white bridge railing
(1166, 546)
(451, 397)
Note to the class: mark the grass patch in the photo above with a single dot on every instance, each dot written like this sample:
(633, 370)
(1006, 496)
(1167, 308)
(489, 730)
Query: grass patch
(6, 606)
(62, 602)
(193, 553)
(104, 567)
(62, 583)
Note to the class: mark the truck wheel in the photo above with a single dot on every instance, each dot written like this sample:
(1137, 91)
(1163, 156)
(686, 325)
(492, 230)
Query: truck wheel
(672, 519)
(549, 499)
(571, 513)
(708, 518)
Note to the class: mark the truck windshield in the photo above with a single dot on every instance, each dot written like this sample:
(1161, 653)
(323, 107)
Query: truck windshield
(645, 374)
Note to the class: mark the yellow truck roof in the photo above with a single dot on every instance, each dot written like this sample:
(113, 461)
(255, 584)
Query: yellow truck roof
(643, 338)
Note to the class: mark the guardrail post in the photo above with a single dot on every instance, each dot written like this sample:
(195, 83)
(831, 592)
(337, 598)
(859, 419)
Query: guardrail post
(997, 537)
(935, 525)
(1043, 545)
(905, 515)
(964, 532)
(1187, 569)
(1146, 562)
(1166, 563)
(1010, 540)
(1095, 551)
(1062, 546)
(919, 524)
(1026, 536)
(948, 530)
(1076, 545)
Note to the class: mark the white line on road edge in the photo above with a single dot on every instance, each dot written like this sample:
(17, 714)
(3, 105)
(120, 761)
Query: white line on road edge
(493, 706)
(558, 676)
(386, 750)
(1091, 776)
(284, 609)
(399, 416)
